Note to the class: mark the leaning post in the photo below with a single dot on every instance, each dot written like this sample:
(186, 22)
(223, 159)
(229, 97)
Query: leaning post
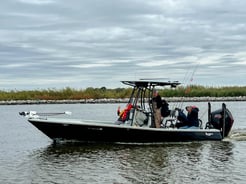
(209, 112)
(224, 117)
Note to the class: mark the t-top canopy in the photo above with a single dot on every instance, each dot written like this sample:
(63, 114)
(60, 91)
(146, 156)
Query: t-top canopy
(148, 83)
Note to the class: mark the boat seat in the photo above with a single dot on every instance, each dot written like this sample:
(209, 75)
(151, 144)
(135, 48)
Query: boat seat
(169, 123)
(140, 118)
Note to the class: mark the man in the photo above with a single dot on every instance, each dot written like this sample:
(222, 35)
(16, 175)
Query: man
(191, 120)
(157, 103)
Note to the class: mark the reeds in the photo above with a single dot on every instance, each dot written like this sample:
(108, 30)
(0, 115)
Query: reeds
(100, 93)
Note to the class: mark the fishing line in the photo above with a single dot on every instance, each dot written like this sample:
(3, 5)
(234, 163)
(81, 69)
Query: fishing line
(185, 82)
(203, 114)
(188, 88)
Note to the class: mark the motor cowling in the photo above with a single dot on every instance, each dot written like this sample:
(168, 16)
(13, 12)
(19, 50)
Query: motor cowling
(217, 120)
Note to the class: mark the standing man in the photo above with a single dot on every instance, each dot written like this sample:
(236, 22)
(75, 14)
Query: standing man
(157, 108)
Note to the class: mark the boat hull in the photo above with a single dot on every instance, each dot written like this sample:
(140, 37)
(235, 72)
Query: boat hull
(99, 132)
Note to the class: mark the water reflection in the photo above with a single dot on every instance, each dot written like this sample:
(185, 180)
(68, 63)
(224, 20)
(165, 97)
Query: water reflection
(114, 163)
(219, 159)
(223, 151)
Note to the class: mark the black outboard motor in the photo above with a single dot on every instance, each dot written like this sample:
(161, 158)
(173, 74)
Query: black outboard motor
(222, 119)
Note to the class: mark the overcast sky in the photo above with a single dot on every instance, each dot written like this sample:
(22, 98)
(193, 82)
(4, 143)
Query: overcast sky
(95, 43)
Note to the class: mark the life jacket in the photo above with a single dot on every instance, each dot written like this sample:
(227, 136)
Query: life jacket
(124, 114)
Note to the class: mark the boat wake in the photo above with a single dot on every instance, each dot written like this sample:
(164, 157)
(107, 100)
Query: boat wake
(238, 135)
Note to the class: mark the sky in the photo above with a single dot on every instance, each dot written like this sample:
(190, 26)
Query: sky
(98, 43)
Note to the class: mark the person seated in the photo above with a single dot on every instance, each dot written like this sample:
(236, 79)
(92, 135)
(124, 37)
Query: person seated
(191, 120)
(124, 114)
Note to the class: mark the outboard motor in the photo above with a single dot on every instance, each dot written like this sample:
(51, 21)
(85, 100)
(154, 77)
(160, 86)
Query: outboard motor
(222, 119)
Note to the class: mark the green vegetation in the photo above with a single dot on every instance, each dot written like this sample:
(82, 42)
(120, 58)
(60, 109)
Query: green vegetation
(201, 91)
(64, 94)
(103, 92)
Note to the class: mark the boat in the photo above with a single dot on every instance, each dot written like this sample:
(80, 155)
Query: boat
(139, 126)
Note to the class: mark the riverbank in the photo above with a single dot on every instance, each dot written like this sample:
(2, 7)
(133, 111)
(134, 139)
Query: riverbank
(125, 100)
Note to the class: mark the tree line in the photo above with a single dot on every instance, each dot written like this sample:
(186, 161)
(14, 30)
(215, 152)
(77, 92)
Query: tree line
(103, 92)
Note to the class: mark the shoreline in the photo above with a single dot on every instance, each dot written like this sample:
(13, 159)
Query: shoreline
(125, 100)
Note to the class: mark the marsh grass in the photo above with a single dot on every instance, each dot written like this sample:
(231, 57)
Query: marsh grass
(103, 92)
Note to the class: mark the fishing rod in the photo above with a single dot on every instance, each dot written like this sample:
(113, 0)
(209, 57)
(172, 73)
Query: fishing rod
(188, 84)
(187, 91)
(177, 104)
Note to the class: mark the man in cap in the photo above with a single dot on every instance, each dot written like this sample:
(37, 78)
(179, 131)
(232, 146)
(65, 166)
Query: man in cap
(191, 120)
(157, 103)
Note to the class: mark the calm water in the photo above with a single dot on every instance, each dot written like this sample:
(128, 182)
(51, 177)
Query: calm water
(28, 156)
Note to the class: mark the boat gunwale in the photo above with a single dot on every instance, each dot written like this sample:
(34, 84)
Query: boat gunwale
(96, 123)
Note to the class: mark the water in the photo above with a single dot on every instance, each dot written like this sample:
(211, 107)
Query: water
(28, 156)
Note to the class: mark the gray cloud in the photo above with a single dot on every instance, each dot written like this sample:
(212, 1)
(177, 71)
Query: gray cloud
(59, 43)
